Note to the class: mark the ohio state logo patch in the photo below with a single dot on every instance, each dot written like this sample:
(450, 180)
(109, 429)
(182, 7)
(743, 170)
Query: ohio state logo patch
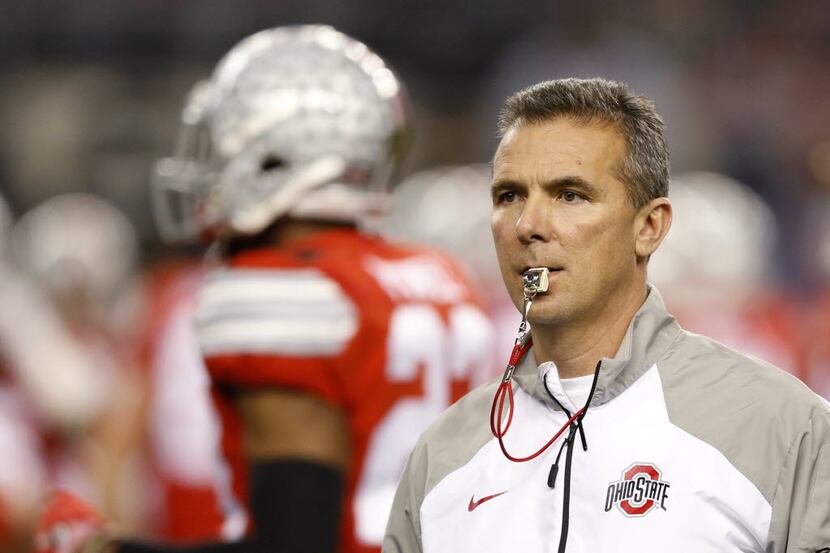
(638, 491)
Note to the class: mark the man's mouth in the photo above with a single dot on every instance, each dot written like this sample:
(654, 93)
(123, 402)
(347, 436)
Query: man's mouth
(537, 279)
(551, 270)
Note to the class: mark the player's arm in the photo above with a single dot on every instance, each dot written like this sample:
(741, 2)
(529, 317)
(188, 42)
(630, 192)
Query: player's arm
(297, 446)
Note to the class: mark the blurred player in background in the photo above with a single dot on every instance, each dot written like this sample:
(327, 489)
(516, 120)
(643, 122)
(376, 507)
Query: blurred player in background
(329, 349)
(22, 471)
(82, 252)
(65, 414)
(716, 269)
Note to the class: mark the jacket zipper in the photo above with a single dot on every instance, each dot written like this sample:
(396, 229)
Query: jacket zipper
(569, 442)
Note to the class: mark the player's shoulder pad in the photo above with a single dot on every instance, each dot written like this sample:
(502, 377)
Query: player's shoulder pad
(279, 311)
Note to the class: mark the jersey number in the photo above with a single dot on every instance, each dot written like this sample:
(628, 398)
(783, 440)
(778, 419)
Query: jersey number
(418, 338)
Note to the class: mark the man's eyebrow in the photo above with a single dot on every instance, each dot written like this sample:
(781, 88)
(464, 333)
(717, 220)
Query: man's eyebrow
(571, 181)
(504, 183)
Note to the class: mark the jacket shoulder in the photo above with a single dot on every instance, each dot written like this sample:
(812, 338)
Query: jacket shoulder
(748, 409)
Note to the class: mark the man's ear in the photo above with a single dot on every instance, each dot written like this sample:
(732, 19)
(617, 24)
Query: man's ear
(651, 225)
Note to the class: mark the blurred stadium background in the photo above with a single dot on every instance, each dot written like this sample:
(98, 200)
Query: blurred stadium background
(91, 91)
(91, 94)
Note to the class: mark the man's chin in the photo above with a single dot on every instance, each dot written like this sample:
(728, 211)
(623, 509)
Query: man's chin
(548, 313)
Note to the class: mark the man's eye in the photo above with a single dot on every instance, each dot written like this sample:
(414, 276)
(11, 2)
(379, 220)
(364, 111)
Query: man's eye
(570, 196)
(507, 197)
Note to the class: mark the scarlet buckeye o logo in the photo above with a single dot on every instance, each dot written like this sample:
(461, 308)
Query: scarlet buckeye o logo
(639, 490)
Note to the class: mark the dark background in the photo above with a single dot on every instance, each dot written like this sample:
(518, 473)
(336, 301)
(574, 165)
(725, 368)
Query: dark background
(91, 90)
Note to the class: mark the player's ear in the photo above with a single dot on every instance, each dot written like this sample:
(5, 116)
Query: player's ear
(651, 225)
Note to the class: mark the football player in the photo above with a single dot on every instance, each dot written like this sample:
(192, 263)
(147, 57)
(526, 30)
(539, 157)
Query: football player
(329, 349)
(21, 471)
(70, 344)
(716, 269)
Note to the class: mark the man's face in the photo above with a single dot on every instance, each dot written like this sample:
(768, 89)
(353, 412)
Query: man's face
(558, 203)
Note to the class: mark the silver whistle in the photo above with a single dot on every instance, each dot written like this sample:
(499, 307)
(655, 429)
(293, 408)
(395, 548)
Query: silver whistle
(535, 281)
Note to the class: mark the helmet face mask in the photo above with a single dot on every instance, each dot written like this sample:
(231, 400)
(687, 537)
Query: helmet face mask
(301, 121)
(181, 182)
(176, 196)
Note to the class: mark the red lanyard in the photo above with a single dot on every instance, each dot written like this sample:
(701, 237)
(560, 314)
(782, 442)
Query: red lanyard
(506, 389)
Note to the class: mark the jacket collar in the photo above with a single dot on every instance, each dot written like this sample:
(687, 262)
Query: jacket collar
(649, 335)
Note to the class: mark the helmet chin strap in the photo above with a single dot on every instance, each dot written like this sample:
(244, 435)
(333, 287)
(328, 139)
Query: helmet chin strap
(535, 282)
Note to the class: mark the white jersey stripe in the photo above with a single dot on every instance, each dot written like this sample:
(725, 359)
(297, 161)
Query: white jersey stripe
(288, 312)
(319, 310)
(243, 286)
(318, 337)
(224, 273)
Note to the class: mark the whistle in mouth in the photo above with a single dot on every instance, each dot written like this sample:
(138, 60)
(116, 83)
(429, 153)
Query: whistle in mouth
(535, 281)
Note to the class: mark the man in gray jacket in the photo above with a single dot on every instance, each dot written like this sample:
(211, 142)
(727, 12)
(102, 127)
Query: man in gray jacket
(613, 429)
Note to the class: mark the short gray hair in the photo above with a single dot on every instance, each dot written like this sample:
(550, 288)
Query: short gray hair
(645, 168)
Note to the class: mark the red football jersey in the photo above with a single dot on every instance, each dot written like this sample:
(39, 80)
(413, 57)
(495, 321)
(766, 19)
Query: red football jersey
(391, 334)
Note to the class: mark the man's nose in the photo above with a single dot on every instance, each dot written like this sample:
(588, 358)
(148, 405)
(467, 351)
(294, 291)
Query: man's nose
(534, 223)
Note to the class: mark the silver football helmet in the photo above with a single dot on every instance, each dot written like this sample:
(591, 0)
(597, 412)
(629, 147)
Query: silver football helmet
(722, 238)
(301, 121)
(77, 245)
(426, 209)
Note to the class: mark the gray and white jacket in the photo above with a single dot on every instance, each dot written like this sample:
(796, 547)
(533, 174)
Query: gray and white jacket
(691, 447)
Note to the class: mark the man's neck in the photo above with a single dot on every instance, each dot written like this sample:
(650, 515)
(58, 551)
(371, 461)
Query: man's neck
(576, 346)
